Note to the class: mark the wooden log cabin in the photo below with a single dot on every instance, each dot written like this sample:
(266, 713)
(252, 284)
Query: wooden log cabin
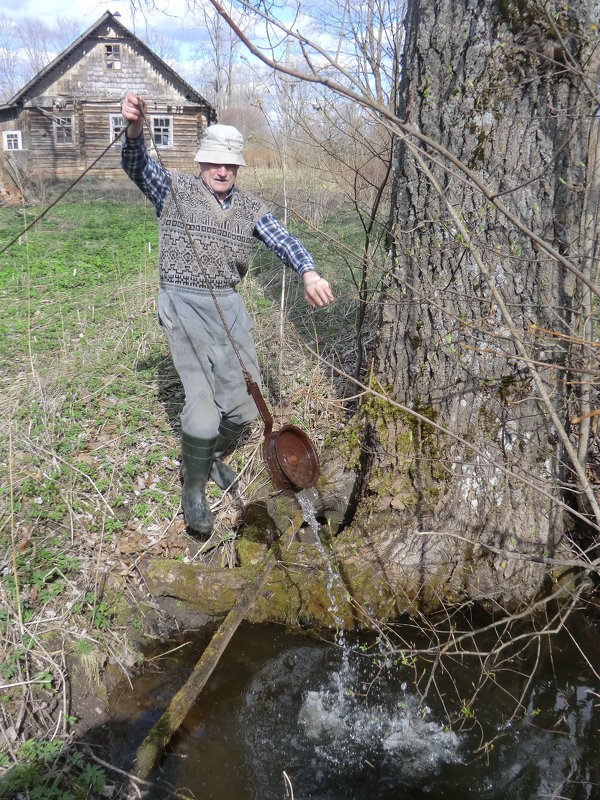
(63, 119)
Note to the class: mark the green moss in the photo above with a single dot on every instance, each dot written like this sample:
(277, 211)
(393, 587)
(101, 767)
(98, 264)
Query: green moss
(250, 552)
(384, 481)
(518, 15)
(521, 15)
(349, 442)
(488, 423)
(429, 412)
(544, 452)
(478, 155)
(417, 475)
(375, 414)
(507, 387)
(258, 526)
(381, 416)
(122, 610)
(414, 472)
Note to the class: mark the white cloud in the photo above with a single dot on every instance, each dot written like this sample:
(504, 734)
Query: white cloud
(86, 11)
(169, 18)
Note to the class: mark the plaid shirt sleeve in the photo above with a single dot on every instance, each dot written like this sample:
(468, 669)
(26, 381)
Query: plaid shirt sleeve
(145, 172)
(292, 252)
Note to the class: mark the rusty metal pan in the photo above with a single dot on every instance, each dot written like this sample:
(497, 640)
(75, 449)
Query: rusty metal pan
(290, 458)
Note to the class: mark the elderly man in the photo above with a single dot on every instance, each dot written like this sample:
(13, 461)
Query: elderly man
(222, 221)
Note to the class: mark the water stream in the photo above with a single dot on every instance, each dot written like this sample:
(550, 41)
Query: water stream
(290, 715)
(282, 702)
(310, 517)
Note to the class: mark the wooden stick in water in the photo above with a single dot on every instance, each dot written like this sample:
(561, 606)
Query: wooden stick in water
(151, 749)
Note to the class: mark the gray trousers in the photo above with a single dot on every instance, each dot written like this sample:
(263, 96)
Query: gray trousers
(207, 365)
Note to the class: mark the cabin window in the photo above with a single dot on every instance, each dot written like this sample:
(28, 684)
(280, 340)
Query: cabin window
(63, 130)
(11, 140)
(162, 131)
(112, 55)
(117, 123)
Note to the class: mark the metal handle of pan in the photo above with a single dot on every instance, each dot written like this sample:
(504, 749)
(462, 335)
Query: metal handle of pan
(261, 405)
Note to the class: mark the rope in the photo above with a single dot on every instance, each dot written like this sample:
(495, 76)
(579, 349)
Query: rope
(62, 194)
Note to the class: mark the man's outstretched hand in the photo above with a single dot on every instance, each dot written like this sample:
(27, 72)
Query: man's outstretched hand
(316, 289)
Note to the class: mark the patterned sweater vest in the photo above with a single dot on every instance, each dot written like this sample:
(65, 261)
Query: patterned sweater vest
(222, 239)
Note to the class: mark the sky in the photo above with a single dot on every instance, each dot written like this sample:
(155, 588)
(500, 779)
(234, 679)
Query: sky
(88, 11)
(174, 25)
(169, 19)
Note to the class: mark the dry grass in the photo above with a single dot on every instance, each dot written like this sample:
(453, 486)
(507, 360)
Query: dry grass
(91, 482)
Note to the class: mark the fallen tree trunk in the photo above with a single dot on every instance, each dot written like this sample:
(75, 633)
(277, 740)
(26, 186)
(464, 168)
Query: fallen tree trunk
(365, 571)
(378, 578)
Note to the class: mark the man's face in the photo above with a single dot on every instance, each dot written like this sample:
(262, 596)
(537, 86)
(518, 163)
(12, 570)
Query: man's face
(219, 177)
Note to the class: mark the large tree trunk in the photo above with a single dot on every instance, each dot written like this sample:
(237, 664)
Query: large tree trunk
(492, 83)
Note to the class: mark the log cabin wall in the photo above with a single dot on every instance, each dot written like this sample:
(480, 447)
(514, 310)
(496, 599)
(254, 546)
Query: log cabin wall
(70, 112)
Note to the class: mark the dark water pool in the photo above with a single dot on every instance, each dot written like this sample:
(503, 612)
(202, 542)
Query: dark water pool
(286, 715)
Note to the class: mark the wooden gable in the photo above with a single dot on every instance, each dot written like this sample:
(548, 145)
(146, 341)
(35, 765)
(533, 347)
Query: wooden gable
(63, 119)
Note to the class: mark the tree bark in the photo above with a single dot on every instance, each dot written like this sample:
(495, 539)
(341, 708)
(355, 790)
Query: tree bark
(495, 84)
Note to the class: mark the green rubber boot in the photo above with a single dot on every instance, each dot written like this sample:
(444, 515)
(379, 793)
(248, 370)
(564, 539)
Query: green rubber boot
(227, 434)
(197, 456)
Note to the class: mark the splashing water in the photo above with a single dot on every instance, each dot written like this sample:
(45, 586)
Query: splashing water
(345, 727)
(340, 724)
(330, 725)
(283, 703)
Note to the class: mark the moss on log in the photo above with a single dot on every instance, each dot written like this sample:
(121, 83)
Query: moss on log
(377, 575)
(374, 569)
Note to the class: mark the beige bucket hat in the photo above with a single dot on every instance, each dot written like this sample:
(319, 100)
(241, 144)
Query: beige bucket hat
(221, 144)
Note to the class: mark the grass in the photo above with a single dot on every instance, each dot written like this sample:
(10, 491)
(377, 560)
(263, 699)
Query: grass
(89, 482)
(91, 457)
